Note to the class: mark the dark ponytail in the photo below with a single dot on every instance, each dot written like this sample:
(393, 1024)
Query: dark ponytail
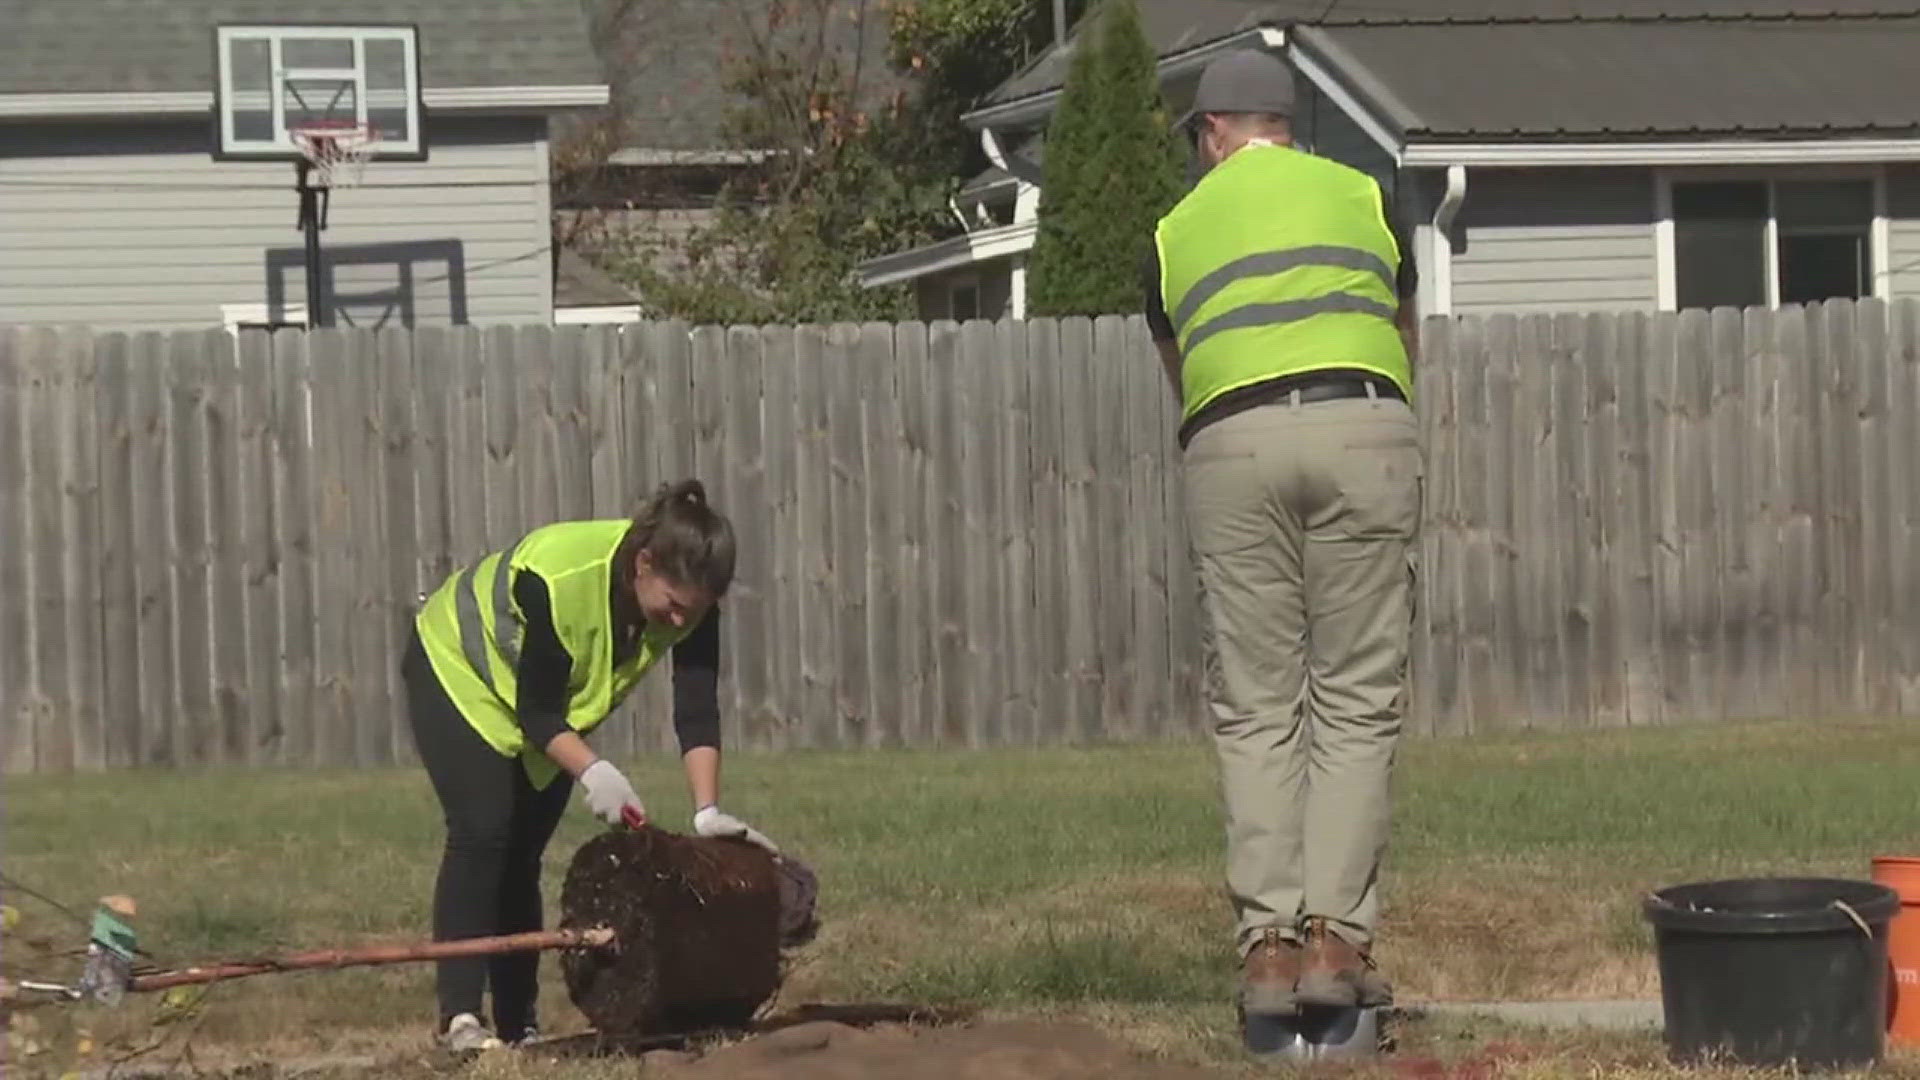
(685, 538)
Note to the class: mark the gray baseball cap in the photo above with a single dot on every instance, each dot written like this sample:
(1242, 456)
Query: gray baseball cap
(1245, 81)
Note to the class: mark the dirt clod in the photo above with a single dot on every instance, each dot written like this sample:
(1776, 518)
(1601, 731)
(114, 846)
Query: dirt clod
(804, 1037)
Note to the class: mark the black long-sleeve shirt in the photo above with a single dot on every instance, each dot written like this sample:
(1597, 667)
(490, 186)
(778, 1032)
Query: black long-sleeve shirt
(545, 667)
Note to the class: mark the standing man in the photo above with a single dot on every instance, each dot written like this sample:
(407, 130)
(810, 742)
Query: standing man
(1279, 297)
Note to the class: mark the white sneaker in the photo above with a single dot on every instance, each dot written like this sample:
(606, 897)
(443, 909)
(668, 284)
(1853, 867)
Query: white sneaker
(465, 1033)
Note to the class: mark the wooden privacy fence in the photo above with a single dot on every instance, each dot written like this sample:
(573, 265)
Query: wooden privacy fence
(950, 535)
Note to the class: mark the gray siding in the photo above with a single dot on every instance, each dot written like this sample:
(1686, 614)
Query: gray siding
(135, 226)
(1541, 240)
(1903, 230)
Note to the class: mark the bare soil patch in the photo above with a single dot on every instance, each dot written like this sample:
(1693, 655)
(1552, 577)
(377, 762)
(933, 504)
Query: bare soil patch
(1003, 1050)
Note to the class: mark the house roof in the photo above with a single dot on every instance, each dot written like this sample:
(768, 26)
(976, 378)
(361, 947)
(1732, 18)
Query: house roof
(166, 46)
(1174, 27)
(1032, 153)
(1170, 27)
(579, 283)
(1671, 79)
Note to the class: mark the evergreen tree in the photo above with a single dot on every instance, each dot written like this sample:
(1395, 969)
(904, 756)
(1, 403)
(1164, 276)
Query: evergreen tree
(1112, 167)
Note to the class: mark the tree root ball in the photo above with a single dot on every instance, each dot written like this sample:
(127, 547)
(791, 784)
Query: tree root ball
(699, 926)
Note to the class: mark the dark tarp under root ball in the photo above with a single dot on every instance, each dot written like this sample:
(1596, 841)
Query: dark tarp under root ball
(699, 925)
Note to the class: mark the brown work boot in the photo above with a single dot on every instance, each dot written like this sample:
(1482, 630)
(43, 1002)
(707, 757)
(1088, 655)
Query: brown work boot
(1268, 974)
(1335, 974)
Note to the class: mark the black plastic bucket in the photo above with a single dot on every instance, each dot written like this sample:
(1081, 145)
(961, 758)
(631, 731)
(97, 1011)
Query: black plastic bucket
(1774, 971)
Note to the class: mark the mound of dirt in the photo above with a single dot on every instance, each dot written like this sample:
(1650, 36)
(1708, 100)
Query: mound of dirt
(1005, 1050)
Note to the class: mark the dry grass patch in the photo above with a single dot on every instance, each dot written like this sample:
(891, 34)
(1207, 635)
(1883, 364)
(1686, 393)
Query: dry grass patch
(1507, 934)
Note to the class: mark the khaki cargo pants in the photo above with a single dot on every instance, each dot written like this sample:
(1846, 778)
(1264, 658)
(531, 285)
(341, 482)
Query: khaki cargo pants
(1303, 518)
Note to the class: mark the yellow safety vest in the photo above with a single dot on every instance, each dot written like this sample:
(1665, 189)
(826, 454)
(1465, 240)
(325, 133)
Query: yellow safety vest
(472, 629)
(1279, 262)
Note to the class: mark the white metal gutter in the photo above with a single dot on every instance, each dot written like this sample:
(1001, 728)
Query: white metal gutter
(953, 253)
(1837, 151)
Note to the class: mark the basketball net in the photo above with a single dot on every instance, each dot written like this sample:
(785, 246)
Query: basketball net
(337, 150)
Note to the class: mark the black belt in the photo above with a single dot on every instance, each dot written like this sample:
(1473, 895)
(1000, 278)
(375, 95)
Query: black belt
(1311, 386)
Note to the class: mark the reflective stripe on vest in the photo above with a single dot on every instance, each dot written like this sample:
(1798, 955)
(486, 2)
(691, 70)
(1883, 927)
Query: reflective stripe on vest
(474, 646)
(1277, 263)
(473, 629)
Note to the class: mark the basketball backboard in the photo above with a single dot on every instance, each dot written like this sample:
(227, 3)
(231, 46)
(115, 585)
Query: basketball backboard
(273, 79)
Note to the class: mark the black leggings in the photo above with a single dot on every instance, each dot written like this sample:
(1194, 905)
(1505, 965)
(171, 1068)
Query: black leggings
(497, 828)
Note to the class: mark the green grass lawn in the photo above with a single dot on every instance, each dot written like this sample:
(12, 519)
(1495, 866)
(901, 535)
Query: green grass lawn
(1080, 882)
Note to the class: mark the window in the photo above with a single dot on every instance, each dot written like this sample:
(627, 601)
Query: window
(964, 301)
(1762, 242)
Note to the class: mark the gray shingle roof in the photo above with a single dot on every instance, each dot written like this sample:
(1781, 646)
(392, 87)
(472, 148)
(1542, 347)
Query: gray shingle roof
(579, 283)
(1634, 80)
(1174, 26)
(1170, 27)
(161, 46)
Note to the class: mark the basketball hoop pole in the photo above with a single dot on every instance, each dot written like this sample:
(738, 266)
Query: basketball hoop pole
(313, 218)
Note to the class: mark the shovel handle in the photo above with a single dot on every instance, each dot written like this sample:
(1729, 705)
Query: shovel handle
(592, 938)
(633, 817)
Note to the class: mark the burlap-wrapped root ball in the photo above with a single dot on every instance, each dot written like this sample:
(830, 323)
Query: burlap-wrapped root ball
(699, 927)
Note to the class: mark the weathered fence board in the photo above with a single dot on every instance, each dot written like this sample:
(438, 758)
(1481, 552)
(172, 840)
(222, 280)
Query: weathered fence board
(1014, 537)
(817, 643)
(735, 380)
(779, 382)
(45, 385)
(967, 535)
(911, 365)
(844, 441)
(16, 663)
(884, 533)
(1903, 506)
(944, 567)
(118, 548)
(1050, 554)
(294, 542)
(1080, 559)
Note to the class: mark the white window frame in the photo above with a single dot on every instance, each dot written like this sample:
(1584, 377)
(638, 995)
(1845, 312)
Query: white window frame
(259, 316)
(1879, 234)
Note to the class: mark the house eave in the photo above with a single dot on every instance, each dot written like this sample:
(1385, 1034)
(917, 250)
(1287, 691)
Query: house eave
(56, 106)
(1836, 151)
(595, 314)
(646, 156)
(950, 254)
(1030, 110)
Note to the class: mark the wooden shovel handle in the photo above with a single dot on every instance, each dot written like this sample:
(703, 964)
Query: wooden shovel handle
(598, 937)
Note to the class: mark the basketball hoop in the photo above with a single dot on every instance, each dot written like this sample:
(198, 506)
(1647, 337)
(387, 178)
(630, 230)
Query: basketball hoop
(337, 151)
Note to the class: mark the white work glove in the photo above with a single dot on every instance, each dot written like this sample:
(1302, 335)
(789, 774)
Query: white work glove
(712, 821)
(609, 793)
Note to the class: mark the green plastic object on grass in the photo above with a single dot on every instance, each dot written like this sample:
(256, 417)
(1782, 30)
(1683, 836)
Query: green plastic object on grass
(112, 934)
